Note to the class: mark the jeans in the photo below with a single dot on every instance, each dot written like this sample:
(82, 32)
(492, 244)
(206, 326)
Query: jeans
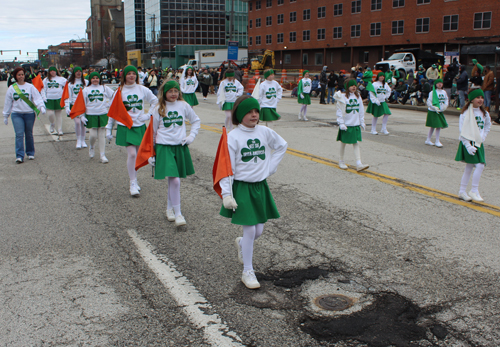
(462, 94)
(23, 126)
(154, 90)
(487, 98)
(331, 91)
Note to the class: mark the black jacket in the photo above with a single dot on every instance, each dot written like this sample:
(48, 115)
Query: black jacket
(463, 81)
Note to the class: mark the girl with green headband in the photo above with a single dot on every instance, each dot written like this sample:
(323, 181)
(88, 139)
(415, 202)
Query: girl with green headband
(173, 159)
(53, 86)
(189, 85)
(437, 102)
(255, 152)
(75, 82)
(229, 90)
(270, 93)
(304, 94)
(474, 125)
(379, 92)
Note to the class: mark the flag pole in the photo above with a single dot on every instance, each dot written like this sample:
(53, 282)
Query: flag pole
(230, 179)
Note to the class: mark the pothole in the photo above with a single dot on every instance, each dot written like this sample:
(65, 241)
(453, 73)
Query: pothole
(333, 302)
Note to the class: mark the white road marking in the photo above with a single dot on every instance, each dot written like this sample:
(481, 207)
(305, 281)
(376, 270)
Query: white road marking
(186, 295)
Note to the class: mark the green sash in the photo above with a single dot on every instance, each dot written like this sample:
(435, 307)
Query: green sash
(25, 99)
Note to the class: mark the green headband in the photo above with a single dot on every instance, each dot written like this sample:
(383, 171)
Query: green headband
(474, 61)
(130, 68)
(94, 74)
(380, 74)
(350, 83)
(439, 80)
(77, 69)
(229, 74)
(169, 85)
(268, 73)
(304, 73)
(52, 68)
(475, 93)
(246, 106)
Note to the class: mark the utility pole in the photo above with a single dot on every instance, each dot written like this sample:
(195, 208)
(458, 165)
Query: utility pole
(231, 19)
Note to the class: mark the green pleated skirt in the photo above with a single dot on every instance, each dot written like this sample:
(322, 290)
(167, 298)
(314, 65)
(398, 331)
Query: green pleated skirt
(191, 99)
(435, 120)
(268, 114)
(53, 104)
(129, 137)
(227, 106)
(97, 121)
(306, 100)
(378, 111)
(351, 136)
(172, 161)
(463, 155)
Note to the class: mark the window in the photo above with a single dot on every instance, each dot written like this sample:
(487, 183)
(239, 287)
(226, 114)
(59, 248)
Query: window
(450, 23)
(376, 5)
(337, 10)
(250, 24)
(356, 30)
(356, 6)
(293, 36)
(306, 35)
(269, 39)
(281, 18)
(321, 34)
(257, 22)
(337, 32)
(318, 59)
(257, 40)
(345, 56)
(293, 17)
(423, 25)
(249, 6)
(279, 38)
(269, 3)
(375, 29)
(250, 41)
(398, 3)
(366, 57)
(422, 2)
(482, 20)
(288, 59)
(306, 14)
(293, 1)
(269, 21)
(305, 59)
(321, 12)
(257, 5)
(397, 27)
(280, 2)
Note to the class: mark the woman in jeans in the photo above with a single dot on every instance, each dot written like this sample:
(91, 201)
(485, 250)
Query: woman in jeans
(22, 110)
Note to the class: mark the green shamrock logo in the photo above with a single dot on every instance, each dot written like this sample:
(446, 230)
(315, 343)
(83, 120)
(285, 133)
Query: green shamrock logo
(442, 99)
(53, 84)
(133, 102)
(172, 118)
(253, 151)
(190, 82)
(76, 88)
(96, 95)
(480, 123)
(230, 88)
(307, 84)
(352, 106)
(16, 96)
(381, 90)
(271, 93)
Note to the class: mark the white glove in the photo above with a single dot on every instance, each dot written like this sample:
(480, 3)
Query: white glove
(84, 119)
(67, 110)
(435, 109)
(470, 149)
(302, 96)
(6, 120)
(43, 110)
(363, 126)
(187, 140)
(229, 203)
(152, 161)
(483, 138)
(377, 102)
(342, 127)
(144, 117)
(109, 135)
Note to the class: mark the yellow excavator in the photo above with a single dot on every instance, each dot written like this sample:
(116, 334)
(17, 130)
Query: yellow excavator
(262, 62)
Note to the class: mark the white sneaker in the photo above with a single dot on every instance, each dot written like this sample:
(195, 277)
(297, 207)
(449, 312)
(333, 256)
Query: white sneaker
(429, 143)
(238, 248)
(52, 128)
(137, 185)
(78, 144)
(133, 189)
(91, 152)
(60, 133)
(475, 197)
(362, 167)
(300, 115)
(304, 118)
(374, 133)
(342, 165)
(19, 160)
(31, 157)
(438, 144)
(180, 221)
(249, 279)
(463, 196)
(170, 215)
(84, 145)
(104, 160)
(384, 132)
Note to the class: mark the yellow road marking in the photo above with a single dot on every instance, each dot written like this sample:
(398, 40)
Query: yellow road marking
(438, 194)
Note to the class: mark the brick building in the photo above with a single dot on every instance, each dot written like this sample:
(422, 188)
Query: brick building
(342, 33)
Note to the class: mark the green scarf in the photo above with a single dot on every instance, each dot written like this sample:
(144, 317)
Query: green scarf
(25, 99)
(435, 99)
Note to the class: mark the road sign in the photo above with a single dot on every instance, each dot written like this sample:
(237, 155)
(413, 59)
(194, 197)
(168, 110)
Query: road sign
(232, 50)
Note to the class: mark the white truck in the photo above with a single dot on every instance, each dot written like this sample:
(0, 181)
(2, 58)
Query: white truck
(409, 59)
(212, 58)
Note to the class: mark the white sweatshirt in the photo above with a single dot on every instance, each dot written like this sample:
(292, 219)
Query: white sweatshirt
(270, 94)
(134, 98)
(355, 111)
(189, 85)
(255, 154)
(52, 90)
(171, 129)
(14, 104)
(231, 89)
(443, 101)
(97, 99)
(74, 89)
(383, 92)
(483, 123)
(306, 85)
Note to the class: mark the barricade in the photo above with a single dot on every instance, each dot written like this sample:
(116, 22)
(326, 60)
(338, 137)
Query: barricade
(283, 76)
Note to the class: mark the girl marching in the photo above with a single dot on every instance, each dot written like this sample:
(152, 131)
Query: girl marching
(474, 125)
(229, 90)
(96, 97)
(304, 94)
(350, 118)
(53, 86)
(173, 159)
(75, 82)
(437, 102)
(255, 152)
(189, 84)
(134, 97)
(269, 96)
(377, 106)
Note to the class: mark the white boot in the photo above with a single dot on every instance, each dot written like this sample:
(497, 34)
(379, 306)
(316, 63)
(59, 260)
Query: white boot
(78, 143)
(133, 189)
(82, 140)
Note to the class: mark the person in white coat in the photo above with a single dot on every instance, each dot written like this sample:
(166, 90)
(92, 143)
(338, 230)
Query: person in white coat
(53, 86)
(379, 93)
(437, 102)
(230, 89)
(270, 93)
(75, 83)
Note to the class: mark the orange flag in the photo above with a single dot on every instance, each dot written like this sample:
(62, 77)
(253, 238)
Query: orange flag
(222, 164)
(118, 112)
(147, 148)
(38, 83)
(79, 106)
(65, 95)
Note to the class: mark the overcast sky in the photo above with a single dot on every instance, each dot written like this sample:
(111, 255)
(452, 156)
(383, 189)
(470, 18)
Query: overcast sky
(32, 24)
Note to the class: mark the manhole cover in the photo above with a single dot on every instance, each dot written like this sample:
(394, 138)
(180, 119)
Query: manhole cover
(333, 302)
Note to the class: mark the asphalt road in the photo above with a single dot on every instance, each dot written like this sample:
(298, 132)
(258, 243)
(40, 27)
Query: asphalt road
(420, 267)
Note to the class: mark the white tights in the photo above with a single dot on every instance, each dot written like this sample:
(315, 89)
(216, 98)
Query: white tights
(100, 133)
(174, 195)
(55, 117)
(384, 123)
(229, 121)
(79, 128)
(357, 152)
(431, 130)
(303, 110)
(250, 234)
(475, 177)
(131, 156)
